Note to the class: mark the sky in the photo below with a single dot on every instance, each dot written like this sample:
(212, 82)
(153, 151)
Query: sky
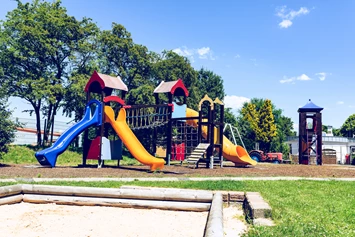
(286, 51)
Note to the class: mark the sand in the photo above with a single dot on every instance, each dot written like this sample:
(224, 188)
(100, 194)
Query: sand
(32, 220)
(233, 223)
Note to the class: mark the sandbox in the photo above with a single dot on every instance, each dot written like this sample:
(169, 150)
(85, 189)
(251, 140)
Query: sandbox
(34, 211)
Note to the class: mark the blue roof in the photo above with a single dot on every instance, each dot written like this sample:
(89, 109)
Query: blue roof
(310, 107)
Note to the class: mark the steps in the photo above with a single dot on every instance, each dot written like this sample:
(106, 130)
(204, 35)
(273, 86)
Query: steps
(195, 157)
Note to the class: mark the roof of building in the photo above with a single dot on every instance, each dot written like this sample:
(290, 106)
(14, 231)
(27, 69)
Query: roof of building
(310, 107)
(174, 87)
(106, 81)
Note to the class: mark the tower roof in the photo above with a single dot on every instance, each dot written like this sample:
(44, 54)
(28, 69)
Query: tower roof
(106, 81)
(174, 87)
(310, 107)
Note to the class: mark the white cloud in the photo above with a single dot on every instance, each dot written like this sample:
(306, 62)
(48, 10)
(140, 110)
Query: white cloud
(285, 24)
(322, 75)
(237, 56)
(235, 102)
(302, 77)
(202, 53)
(184, 51)
(287, 80)
(351, 106)
(287, 15)
(340, 102)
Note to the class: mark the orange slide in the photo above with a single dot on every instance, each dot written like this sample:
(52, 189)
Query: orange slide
(234, 153)
(130, 140)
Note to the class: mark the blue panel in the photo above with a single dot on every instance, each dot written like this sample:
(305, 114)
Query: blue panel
(116, 150)
(179, 111)
(49, 156)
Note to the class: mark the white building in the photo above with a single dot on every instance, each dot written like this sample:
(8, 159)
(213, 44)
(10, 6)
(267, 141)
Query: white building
(341, 145)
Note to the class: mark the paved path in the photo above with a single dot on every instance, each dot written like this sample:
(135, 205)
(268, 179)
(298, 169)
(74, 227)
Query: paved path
(173, 179)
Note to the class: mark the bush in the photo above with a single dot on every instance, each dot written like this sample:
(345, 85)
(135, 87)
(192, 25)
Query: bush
(7, 128)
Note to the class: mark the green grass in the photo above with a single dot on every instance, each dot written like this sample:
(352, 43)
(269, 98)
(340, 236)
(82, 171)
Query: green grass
(300, 208)
(26, 155)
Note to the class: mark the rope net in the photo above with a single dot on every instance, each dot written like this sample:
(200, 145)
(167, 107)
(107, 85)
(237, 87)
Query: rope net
(147, 117)
(184, 140)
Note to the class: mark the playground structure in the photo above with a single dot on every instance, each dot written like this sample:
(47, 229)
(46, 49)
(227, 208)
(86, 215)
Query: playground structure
(310, 134)
(106, 110)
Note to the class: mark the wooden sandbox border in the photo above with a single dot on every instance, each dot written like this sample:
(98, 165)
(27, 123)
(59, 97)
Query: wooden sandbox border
(138, 197)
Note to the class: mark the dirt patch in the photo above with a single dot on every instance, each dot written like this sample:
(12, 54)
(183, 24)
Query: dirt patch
(260, 170)
(26, 219)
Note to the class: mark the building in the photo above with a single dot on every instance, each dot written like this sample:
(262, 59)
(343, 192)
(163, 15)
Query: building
(341, 145)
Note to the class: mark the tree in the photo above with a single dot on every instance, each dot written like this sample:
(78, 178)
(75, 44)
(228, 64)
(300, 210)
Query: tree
(7, 126)
(261, 121)
(38, 42)
(211, 84)
(348, 128)
(122, 57)
(170, 66)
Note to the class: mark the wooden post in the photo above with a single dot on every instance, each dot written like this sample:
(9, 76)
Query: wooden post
(221, 127)
(86, 136)
(211, 127)
(319, 138)
(169, 132)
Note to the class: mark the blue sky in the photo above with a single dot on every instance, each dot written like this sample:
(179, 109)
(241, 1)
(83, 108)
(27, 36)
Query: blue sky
(286, 51)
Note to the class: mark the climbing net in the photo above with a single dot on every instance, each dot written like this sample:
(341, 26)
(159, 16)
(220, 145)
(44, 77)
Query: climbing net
(184, 140)
(139, 117)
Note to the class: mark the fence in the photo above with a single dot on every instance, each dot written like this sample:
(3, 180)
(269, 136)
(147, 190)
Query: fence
(27, 138)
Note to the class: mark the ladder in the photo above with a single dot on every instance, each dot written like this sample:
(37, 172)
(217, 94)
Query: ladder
(197, 155)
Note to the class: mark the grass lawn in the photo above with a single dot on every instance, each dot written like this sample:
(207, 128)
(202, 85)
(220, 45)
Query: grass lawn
(300, 208)
(26, 155)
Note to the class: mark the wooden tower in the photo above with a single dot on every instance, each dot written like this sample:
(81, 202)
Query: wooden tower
(310, 134)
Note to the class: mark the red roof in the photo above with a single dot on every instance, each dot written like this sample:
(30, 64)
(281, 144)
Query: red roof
(172, 87)
(106, 81)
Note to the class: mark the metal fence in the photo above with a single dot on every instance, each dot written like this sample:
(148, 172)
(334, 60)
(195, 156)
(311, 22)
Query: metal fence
(26, 138)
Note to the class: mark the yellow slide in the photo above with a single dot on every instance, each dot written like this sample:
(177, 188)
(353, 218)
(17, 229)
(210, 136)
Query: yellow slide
(130, 140)
(234, 153)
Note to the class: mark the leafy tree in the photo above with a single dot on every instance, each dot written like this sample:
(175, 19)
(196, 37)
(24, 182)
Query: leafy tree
(267, 125)
(38, 42)
(348, 128)
(211, 84)
(261, 121)
(170, 66)
(336, 132)
(284, 127)
(7, 126)
(122, 57)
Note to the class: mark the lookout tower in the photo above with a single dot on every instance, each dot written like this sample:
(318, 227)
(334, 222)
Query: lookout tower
(310, 134)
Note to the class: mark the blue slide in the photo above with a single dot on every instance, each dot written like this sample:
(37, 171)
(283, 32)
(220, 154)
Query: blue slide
(49, 155)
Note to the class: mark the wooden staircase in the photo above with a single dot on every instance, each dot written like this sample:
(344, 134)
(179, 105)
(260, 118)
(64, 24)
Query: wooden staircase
(197, 155)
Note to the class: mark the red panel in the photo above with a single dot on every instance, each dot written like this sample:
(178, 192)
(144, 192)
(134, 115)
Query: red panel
(94, 149)
(114, 98)
(179, 84)
(178, 152)
(94, 78)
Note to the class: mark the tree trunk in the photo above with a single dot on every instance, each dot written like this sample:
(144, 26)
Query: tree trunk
(49, 122)
(37, 108)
